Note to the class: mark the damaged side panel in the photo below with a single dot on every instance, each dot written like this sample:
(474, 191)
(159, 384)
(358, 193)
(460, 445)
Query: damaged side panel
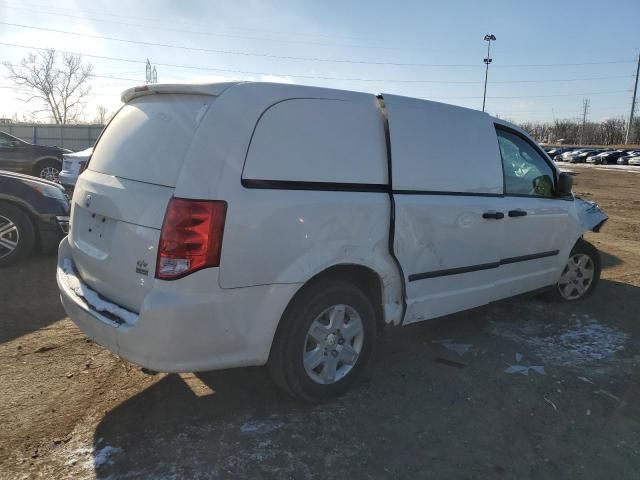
(590, 215)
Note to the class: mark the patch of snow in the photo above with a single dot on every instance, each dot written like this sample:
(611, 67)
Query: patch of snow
(103, 456)
(525, 369)
(258, 427)
(459, 348)
(619, 168)
(70, 277)
(581, 342)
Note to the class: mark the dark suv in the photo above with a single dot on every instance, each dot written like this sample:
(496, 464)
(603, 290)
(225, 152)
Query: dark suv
(38, 160)
(34, 213)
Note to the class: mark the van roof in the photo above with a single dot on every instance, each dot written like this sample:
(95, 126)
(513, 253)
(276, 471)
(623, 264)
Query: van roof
(213, 89)
(216, 89)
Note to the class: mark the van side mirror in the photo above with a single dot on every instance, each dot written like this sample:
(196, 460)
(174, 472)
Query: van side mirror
(565, 182)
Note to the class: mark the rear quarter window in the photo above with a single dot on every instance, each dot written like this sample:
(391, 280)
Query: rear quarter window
(319, 140)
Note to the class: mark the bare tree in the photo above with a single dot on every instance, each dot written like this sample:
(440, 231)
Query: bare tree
(59, 87)
(101, 115)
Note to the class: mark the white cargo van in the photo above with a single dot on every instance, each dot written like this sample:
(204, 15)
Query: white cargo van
(241, 224)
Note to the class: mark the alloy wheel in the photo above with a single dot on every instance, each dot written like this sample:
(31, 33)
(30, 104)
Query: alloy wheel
(50, 173)
(9, 236)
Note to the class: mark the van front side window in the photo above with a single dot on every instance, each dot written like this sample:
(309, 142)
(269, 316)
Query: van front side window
(525, 171)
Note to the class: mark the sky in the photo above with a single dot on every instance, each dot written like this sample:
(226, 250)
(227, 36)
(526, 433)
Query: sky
(548, 57)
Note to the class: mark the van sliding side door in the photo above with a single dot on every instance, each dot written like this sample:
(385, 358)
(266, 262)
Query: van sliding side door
(447, 188)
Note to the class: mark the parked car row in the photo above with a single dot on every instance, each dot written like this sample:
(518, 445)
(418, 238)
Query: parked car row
(34, 207)
(596, 156)
(19, 156)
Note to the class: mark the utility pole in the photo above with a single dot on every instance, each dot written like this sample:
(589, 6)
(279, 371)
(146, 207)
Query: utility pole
(488, 38)
(633, 105)
(585, 111)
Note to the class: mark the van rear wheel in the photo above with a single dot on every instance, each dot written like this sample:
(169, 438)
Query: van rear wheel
(325, 341)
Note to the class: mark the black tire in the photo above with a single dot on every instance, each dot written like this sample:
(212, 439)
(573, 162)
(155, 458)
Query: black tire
(286, 359)
(41, 169)
(23, 234)
(582, 247)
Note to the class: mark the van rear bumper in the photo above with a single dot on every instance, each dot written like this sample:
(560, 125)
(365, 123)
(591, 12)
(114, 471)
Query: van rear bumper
(178, 330)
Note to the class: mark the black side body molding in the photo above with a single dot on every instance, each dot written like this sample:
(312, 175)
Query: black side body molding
(314, 186)
(484, 266)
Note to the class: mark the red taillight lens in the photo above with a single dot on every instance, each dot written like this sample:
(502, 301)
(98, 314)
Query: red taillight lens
(191, 237)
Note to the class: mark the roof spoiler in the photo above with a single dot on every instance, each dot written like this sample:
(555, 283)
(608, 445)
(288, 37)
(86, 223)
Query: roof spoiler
(213, 89)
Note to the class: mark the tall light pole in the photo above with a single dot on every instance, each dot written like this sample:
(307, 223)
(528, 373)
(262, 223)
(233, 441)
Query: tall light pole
(488, 38)
(633, 104)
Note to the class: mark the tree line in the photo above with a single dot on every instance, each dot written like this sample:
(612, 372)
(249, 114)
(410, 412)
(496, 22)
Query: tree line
(611, 131)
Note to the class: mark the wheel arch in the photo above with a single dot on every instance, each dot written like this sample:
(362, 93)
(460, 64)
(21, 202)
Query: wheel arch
(31, 215)
(41, 160)
(362, 276)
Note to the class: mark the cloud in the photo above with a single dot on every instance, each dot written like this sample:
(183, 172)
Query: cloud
(276, 79)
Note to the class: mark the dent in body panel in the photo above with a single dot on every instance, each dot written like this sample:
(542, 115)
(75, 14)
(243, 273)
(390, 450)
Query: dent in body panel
(291, 236)
(435, 233)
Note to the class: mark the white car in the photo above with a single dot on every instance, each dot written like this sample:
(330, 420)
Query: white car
(237, 224)
(72, 166)
(634, 160)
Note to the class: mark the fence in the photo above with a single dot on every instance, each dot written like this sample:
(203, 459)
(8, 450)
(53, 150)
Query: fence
(73, 137)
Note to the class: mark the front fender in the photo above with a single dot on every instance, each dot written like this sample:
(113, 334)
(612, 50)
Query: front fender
(590, 215)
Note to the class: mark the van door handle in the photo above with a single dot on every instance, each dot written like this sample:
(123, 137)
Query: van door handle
(493, 215)
(517, 213)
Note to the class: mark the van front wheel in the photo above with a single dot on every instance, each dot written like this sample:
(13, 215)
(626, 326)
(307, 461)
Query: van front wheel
(581, 273)
(324, 342)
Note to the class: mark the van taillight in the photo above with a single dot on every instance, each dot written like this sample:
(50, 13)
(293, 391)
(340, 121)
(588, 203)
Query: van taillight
(191, 237)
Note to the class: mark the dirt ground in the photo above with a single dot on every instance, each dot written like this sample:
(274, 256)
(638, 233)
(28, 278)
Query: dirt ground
(438, 403)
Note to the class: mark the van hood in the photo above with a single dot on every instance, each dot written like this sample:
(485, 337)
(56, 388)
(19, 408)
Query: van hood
(590, 215)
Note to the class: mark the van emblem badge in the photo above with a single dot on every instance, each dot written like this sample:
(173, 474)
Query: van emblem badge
(141, 267)
(87, 201)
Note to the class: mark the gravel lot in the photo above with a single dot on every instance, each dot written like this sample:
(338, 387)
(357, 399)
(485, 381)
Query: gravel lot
(438, 403)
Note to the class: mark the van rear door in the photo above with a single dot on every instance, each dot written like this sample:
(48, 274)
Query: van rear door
(120, 200)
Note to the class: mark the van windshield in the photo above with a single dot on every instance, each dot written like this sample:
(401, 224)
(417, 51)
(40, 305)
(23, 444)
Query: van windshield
(150, 137)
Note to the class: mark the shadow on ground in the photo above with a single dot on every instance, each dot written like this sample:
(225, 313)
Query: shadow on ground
(609, 261)
(32, 302)
(412, 417)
